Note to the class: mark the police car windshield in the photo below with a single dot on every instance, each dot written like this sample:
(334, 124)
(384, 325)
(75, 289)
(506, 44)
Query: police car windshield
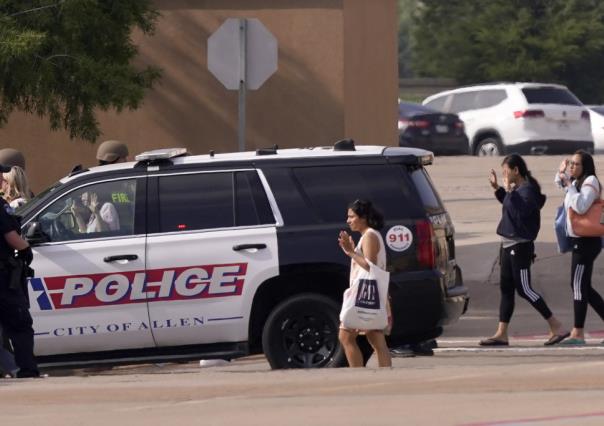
(26, 208)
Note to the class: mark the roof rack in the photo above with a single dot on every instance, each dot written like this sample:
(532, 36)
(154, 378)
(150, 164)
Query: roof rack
(344, 145)
(77, 169)
(267, 151)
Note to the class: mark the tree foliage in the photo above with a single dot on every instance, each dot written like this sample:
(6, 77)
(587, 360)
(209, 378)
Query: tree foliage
(64, 59)
(406, 9)
(560, 41)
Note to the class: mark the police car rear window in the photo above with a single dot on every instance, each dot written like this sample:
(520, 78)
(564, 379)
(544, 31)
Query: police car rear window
(331, 189)
(425, 189)
(212, 200)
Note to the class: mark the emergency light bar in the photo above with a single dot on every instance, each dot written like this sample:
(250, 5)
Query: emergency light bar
(161, 154)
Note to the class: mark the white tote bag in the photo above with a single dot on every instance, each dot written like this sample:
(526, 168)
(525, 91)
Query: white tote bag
(364, 305)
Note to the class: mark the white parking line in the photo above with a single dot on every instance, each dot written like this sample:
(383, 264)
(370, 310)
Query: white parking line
(519, 348)
(515, 341)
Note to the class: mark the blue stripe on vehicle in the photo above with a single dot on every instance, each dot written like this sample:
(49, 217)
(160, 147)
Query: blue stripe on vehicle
(42, 299)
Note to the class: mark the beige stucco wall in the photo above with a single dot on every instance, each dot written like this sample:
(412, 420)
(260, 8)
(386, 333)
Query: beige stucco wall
(337, 78)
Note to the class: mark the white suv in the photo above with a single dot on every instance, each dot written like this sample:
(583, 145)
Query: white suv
(225, 255)
(528, 118)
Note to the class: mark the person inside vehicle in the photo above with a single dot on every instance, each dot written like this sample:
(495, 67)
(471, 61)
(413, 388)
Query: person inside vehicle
(95, 215)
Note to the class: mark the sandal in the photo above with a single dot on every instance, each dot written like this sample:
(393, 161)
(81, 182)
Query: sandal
(573, 341)
(556, 338)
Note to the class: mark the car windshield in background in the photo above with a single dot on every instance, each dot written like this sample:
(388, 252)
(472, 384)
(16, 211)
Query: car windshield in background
(549, 95)
(407, 109)
(598, 109)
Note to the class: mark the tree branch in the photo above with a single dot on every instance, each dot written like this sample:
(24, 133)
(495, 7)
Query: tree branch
(23, 12)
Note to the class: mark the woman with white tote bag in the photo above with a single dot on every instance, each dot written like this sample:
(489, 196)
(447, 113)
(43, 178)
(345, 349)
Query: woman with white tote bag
(368, 285)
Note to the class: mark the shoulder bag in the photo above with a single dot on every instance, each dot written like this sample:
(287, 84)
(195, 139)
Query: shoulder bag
(590, 224)
(365, 302)
(564, 243)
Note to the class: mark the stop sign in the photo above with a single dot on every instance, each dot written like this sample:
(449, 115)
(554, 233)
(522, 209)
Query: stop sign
(231, 64)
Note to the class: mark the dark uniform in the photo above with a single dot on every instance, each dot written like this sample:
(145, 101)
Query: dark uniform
(14, 305)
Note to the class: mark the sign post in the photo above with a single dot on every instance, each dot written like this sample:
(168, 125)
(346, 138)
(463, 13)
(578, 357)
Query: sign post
(242, 83)
(242, 55)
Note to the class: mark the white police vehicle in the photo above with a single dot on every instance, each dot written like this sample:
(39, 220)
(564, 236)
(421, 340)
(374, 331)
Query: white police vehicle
(231, 254)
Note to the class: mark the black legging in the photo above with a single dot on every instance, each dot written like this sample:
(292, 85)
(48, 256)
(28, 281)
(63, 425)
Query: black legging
(516, 276)
(585, 252)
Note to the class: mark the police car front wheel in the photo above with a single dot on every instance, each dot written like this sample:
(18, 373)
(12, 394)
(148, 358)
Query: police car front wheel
(302, 332)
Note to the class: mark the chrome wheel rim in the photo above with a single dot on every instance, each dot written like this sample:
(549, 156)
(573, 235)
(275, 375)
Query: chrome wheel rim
(488, 149)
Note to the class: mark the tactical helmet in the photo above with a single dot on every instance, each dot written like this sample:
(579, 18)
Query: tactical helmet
(11, 157)
(111, 151)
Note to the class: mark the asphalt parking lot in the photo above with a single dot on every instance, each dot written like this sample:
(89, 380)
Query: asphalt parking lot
(462, 384)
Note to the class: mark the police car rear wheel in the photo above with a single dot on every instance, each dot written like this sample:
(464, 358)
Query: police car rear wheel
(302, 332)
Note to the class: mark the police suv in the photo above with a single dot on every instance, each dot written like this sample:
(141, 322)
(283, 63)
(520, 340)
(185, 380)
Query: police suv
(177, 257)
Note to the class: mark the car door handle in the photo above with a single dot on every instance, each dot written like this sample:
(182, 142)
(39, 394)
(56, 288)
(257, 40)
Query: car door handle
(126, 257)
(240, 247)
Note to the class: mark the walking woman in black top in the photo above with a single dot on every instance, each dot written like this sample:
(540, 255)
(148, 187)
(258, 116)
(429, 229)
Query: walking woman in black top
(521, 200)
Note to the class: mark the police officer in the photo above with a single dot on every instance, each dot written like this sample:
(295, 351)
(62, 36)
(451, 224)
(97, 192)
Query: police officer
(15, 318)
(11, 157)
(111, 152)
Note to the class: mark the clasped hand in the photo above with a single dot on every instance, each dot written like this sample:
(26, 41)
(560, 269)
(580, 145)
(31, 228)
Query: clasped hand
(346, 243)
(562, 172)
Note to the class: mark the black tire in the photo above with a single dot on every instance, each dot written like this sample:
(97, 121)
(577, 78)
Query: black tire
(489, 146)
(302, 332)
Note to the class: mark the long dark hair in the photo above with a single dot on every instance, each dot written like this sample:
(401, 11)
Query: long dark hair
(515, 160)
(365, 210)
(588, 168)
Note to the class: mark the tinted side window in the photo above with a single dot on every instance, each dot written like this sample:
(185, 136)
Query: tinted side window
(438, 103)
(196, 201)
(489, 98)
(98, 210)
(549, 95)
(253, 207)
(329, 190)
(463, 102)
(426, 191)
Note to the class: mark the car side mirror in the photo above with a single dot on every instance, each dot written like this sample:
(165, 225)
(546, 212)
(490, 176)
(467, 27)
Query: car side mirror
(34, 234)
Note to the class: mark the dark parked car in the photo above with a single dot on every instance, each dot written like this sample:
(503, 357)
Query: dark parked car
(422, 127)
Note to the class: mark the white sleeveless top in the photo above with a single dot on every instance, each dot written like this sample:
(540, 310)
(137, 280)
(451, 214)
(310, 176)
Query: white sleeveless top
(355, 268)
